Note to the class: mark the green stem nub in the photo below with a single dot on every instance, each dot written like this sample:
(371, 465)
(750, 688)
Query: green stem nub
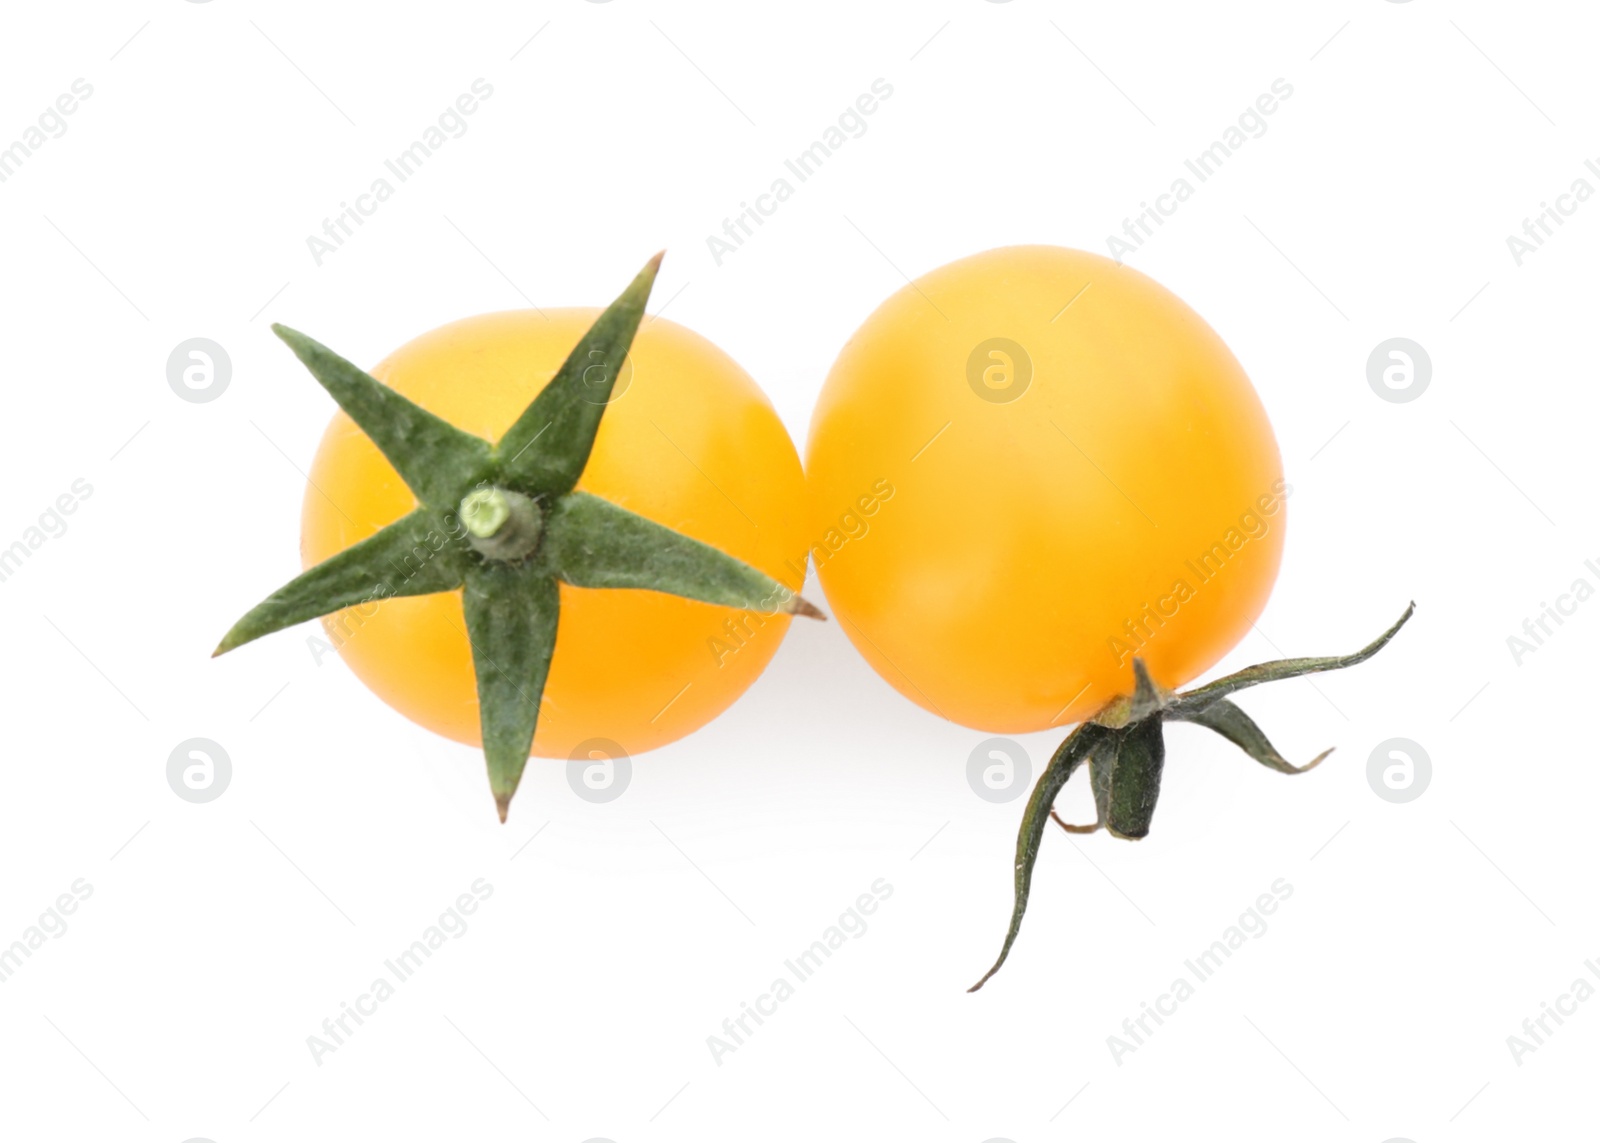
(501, 524)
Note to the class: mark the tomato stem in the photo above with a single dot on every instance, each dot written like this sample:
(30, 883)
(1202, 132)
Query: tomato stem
(484, 510)
(501, 523)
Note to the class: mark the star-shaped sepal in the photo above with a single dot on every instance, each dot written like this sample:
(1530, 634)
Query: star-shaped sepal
(504, 523)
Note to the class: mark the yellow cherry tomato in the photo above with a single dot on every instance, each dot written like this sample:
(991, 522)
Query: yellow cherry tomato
(1029, 467)
(688, 441)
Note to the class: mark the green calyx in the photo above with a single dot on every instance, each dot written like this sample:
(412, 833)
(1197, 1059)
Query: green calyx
(505, 524)
(1126, 752)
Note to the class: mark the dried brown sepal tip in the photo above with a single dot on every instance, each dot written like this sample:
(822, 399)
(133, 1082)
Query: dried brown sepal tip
(802, 607)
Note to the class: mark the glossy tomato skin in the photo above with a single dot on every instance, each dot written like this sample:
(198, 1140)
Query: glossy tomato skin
(1082, 473)
(691, 442)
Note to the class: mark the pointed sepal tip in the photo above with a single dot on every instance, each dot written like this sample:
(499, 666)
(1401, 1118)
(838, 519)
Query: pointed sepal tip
(801, 606)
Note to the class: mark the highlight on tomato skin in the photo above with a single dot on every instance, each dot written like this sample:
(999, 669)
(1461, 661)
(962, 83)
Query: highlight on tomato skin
(1088, 511)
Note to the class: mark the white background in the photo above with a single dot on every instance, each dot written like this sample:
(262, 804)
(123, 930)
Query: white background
(218, 937)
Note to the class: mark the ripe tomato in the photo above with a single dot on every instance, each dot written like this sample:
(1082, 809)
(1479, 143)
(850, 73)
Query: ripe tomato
(688, 441)
(1080, 473)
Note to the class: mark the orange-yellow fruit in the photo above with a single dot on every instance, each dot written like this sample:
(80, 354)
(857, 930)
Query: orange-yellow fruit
(691, 442)
(1080, 472)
